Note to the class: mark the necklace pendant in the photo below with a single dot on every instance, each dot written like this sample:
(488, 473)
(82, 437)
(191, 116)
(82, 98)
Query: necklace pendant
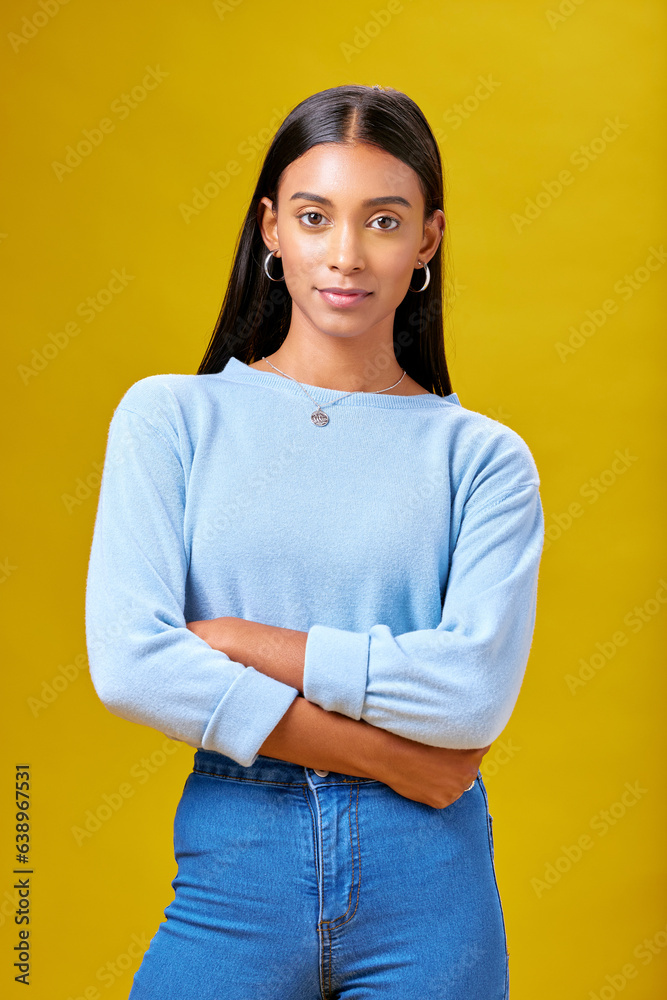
(319, 417)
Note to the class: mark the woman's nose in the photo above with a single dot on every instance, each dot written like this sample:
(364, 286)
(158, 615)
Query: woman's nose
(344, 250)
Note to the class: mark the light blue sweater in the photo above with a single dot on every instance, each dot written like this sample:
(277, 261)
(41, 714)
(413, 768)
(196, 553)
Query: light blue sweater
(405, 537)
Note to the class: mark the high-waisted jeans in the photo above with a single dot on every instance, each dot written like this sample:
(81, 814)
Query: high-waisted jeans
(294, 885)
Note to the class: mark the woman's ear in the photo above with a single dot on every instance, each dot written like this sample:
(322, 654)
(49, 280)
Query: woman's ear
(434, 229)
(267, 220)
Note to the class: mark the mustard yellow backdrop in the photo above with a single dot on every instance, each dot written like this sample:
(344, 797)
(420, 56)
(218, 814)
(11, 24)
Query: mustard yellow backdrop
(133, 135)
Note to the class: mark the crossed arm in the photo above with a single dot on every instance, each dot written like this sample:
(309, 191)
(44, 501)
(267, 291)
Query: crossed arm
(274, 651)
(306, 734)
(313, 737)
(450, 686)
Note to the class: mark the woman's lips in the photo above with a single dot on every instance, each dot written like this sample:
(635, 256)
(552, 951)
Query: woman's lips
(344, 300)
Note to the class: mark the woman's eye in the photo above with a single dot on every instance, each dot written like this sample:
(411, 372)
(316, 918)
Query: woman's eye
(387, 218)
(308, 215)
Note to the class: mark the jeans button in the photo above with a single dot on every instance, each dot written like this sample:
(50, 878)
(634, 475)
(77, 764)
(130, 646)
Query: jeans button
(322, 774)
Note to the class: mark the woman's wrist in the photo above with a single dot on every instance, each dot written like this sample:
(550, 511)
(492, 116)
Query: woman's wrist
(371, 749)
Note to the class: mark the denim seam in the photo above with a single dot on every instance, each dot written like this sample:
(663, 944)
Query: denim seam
(322, 925)
(495, 882)
(333, 920)
(257, 781)
(286, 784)
(312, 821)
(329, 925)
(330, 957)
(320, 887)
(352, 781)
(349, 898)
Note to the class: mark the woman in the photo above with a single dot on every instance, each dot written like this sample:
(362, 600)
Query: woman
(322, 572)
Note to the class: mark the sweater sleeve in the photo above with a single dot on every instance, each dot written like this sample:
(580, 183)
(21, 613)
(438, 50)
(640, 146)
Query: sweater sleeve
(145, 664)
(454, 685)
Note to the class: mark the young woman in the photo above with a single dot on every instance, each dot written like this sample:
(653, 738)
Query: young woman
(315, 566)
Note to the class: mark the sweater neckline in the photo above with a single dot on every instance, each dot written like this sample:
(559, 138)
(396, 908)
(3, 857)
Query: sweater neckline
(238, 371)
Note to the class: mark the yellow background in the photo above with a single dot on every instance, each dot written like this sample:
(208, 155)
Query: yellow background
(232, 72)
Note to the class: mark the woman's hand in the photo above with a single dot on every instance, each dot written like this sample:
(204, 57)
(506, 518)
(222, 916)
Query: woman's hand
(436, 776)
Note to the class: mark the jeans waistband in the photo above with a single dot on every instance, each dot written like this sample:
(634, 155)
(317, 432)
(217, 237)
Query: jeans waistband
(269, 769)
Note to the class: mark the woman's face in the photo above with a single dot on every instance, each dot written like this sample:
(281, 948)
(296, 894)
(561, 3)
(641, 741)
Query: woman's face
(349, 217)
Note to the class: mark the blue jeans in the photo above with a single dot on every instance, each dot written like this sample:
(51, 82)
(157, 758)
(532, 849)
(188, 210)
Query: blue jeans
(293, 885)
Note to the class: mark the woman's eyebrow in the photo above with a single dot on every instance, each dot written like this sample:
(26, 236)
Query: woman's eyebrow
(368, 203)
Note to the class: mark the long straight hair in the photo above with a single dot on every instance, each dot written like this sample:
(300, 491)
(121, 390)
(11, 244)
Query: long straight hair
(256, 312)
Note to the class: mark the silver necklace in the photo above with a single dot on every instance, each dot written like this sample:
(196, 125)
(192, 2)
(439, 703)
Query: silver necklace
(318, 416)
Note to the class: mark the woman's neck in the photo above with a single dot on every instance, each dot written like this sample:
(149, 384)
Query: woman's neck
(314, 375)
